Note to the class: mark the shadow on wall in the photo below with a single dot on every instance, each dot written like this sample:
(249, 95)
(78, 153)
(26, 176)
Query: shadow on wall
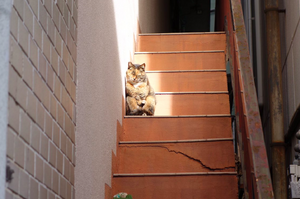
(98, 97)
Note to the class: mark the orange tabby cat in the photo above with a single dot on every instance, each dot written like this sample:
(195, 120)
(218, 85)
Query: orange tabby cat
(140, 97)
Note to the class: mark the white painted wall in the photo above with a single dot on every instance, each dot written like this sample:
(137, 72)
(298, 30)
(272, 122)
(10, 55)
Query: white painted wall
(107, 32)
(5, 9)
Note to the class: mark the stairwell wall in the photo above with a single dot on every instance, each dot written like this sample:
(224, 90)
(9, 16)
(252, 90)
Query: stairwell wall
(107, 34)
(41, 99)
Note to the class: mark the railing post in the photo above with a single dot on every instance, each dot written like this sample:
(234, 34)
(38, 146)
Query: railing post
(276, 101)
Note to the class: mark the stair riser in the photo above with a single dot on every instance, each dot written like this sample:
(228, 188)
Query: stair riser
(188, 81)
(176, 158)
(208, 187)
(154, 43)
(181, 61)
(155, 129)
(192, 104)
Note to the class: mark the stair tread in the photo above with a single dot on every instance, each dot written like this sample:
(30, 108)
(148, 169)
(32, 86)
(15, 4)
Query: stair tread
(182, 61)
(192, 104)
(183, 33)
(188, 81)
(181, 42)
(177, 141)
(177, 52)
(169, 187)
(176, 157)
(174, 174)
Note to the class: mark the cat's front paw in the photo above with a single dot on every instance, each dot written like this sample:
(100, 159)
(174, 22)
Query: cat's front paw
(144, 114)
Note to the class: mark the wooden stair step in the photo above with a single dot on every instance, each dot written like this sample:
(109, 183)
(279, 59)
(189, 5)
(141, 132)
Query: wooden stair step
(170, 187)
(167, 61)
(212, 156)
(179, 128)
(191, 104)
(188, 81)
(181, 42)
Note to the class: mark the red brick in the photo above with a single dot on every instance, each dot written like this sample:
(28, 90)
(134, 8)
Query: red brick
(19, 152)
(25, 127)
(42, 65)
(56, 134)
(24, 184)
(39, 168)
(16, 56)
(34, 53)
(37, 33)
(42, 15)
(48, 128)
(23, 37)
(34, 189)
(14, 18)
(44, 146)
(52, 154)
(22, 91)
(28, 17)
(10, 143)
(63, 187)
(13, 114)
(32, 105)
(55, 181)
(47, 175)
(46, 47)
(19, 6)
(53, 106)
(35, 137)
(14, 184)
(34, 6)
(29, 161)
(41, 116)
(13, 82)
(43, 192)
(28, 73)
(59, 161)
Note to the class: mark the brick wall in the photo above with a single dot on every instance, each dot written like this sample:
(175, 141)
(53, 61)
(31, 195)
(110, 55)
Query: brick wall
(42, 99)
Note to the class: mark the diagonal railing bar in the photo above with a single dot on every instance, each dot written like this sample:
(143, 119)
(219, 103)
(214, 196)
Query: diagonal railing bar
(259, 184)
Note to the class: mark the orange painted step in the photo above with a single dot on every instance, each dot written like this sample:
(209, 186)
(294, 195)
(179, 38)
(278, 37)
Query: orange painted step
(188, 81)
(184, 128)
(191, 104)
(183, 187)
(181, 42)
(182, 61)
(176, 157)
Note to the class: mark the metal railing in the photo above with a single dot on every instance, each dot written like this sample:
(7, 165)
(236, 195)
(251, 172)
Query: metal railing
(256, 174)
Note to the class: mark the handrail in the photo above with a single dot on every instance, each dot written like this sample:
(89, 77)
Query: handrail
(256, 174)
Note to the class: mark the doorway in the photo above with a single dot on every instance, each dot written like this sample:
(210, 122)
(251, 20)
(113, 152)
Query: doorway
(171, 16)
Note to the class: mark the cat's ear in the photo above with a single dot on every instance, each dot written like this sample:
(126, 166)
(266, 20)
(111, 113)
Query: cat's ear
(130, 65)
(143, 66)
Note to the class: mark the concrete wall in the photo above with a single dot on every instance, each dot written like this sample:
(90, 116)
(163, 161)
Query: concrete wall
(41, 103)
(291, 66)
(5, 8)
(106, 40)
(154, 16)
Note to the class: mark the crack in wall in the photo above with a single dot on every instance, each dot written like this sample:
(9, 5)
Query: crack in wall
(179, 152)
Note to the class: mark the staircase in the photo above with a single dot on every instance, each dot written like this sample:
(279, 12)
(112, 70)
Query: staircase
(186, 150)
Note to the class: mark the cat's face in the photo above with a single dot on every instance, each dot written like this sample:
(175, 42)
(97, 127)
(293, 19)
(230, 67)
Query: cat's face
(136, 73)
